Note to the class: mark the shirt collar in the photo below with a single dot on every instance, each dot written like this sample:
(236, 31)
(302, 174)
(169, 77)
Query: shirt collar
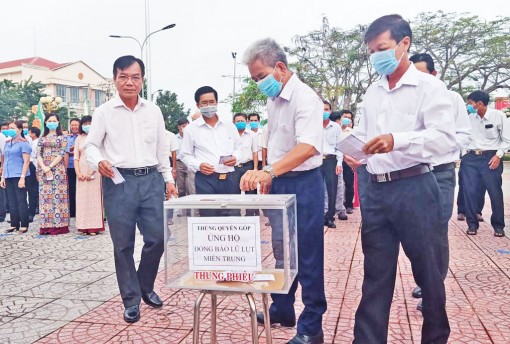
(117, 102)
(289, 87)
(200, 121)
(329, 125)
(410, 77)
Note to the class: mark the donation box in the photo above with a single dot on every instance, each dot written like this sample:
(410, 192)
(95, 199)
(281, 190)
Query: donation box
(235, 243)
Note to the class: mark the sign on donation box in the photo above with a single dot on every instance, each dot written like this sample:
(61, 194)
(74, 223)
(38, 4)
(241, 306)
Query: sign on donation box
(224, 243)
(239, 243)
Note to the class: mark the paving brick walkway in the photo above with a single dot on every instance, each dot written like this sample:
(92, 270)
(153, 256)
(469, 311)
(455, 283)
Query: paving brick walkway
(63, 290)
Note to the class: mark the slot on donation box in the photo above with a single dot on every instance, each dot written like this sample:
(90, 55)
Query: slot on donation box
(235, 243)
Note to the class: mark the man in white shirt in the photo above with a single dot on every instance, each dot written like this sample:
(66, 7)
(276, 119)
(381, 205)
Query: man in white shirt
(294, 157)
(407, 119)
(31, 180)
(184, 174)
(128, 134)
(331, 163)
(347, 172)
(250, 160)
(3, 200)
(254, 120)
(482, 163)
(211, 149)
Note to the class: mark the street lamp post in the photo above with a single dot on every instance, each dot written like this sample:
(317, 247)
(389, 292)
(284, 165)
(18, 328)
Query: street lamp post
(153, 93)
(234, 56)
(142, 45)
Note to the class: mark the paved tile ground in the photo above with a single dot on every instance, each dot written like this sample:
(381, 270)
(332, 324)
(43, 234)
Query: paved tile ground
(63, 290)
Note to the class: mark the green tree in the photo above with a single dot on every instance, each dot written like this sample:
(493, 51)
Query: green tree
(250, 99)
(172, 110)
(16, 99)
(469, 52)
(335, 63)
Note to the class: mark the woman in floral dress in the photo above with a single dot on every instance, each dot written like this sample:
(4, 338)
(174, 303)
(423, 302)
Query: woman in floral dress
(89, 198)
(53, 191)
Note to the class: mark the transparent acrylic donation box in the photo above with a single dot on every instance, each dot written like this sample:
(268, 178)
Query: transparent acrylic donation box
(234, 243)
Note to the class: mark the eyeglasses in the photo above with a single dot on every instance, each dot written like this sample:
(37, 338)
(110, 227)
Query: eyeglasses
(134, 78)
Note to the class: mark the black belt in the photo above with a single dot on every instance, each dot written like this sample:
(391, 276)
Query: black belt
(138, 172)
(444, 167)
(294, 174)
(329, 156)
(248, 163)
(216, 175)
(405, 173)
(481, 151)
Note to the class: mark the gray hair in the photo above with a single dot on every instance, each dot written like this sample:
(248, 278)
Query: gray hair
(265, 50)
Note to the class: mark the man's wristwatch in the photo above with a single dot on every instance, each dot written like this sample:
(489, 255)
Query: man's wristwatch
(269, 169)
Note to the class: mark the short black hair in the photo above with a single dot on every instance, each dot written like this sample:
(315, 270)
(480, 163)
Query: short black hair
(254, 114)
(394, 23)
(84, 119)
(36, 131)
(74, 119)
(182, 120)
(335, 116)
(124, 62)
(3, 124)
(327, 103)
(240, 114)
(203, 90)
(423, 57)
(344, 111)
(479, 96)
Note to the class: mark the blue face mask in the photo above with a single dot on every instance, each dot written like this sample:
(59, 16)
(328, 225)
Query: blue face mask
(346, 122)
(52, 125)
(25, 132)
(9, 133)
(269, 86)
(325, 115)
(471, 108)
(85, 128)
(385, 62)
(240, 125)
(254, 125)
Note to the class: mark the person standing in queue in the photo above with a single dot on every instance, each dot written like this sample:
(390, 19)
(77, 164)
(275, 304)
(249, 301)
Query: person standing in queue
(294, 157)
(128, 135)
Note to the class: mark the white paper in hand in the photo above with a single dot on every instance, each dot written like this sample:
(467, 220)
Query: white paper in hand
(353, 147)
(117, 177)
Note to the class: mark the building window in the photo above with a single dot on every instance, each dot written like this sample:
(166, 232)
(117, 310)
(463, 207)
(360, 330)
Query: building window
(85, 94)
(75, 95)
(61, 92)
(99, 97)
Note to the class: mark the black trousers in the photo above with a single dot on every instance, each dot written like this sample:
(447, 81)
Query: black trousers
(330, 178)
(33, 191)
(3, 204)
(461, 201)
(212, 184)
(239, 173)
(403, 212)
(477, 175)
(136, 202)
(348, 176)
(71, 180)
(17, 203)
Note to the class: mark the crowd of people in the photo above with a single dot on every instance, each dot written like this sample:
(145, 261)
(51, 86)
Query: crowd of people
(48, 175)
(414, 130)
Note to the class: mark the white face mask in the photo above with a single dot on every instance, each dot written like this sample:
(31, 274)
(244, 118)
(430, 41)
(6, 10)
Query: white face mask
(209, 111)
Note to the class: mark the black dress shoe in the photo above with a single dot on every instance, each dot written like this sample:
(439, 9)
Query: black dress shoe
(152, 300)
(420, 306)
(30, 218)
(132, 314)
(417, 293)
(304, 339)
(330, 223)
(479, 217)
(291, 322)
(349, 210)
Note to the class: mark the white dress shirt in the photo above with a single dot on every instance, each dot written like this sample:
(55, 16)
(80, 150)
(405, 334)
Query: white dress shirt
(332, 134)
(294, 117)
(205, 144)
(2, 143)
(248, 139)
(33, 155)
(492, 132)
(171, 141)
(462, 131)
(260, 141)
(418, 114)
(129, 139)
(179, 140)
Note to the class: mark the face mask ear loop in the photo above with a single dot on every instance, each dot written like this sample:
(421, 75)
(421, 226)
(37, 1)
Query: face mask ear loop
(281, 78)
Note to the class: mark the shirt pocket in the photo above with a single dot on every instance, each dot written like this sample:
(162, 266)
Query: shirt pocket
(491, 133)
(403, 121)
(150, 131)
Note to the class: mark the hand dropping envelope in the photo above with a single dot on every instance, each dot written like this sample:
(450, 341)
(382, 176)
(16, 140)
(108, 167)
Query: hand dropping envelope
(117, 177)
(353, 147)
